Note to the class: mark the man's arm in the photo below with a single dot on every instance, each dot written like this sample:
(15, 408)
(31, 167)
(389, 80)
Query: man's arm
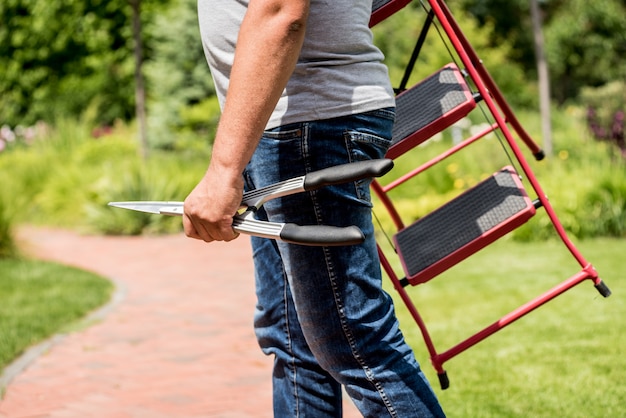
(268, 46)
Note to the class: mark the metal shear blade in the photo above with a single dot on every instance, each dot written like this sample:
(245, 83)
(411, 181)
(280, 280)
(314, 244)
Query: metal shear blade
(156, 207)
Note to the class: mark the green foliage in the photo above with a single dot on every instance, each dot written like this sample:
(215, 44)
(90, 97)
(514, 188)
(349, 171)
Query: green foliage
(24, 174)
(396, 37)
(57, 57)
(8, 247)
(584, 41)
(66, 178)
(60, 58)
(182, 101)
(605, 102)
(39, 299)
(585, 45)
(585, 181)
(159, 179)
(510, 20)
(604, 210)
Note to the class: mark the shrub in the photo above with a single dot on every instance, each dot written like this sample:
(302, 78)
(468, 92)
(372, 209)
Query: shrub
(604, 209)
(584, 180)
(178, 79)
(158, 179)
(396, 37)
(67, 177)
(606, 106)
(8, 247)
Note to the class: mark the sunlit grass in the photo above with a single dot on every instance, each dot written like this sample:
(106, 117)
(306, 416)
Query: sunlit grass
(39, 299)
(564, 359)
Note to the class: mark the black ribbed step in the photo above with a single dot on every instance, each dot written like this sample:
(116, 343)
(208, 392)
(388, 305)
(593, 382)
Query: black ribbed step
(463, 226)
(429, 107)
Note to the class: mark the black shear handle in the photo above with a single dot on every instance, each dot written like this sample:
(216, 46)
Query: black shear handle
(332, 235)
(347, 172)
(321, 235)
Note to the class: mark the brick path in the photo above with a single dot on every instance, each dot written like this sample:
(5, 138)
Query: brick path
(176, 342)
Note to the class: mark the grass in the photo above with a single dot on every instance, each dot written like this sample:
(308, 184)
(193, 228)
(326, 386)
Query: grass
(39, 299)
(564, 359)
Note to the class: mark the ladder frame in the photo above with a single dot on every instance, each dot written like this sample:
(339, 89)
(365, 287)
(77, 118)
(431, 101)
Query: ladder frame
(504, 117)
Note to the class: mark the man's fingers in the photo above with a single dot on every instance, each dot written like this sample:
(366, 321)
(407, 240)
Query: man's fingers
(195, 228)
(233, 235)
(225, 232)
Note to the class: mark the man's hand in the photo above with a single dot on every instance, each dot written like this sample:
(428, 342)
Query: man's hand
(210, 207)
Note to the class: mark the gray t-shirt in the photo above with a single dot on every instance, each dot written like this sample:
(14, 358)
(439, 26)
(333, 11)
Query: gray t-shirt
(339, 71)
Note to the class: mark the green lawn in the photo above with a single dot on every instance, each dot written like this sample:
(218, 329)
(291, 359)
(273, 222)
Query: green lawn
(39, 299)
(566, 359)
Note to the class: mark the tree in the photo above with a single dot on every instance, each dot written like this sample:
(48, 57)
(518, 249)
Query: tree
(182, 99)
(511, 24)
(396, 36)
(140, 91)
(544, 78)
(586, 43)
(59, 58)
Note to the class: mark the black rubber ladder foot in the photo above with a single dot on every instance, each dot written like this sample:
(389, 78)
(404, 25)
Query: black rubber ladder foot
(444, 382)
(603, 289)
(539, 155)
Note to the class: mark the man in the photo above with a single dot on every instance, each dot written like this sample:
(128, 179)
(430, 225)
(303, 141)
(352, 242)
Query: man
(302, 87)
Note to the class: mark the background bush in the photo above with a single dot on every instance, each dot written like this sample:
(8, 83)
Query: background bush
(182, 107)
(66, 178)
(585, 180)
(8, 248)
(88, 156)
(60, 58)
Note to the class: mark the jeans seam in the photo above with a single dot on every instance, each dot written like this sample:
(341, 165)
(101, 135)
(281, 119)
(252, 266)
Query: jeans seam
(333, 281)
(290, 348)
(350, 337)
(306, 129)
(344, 326)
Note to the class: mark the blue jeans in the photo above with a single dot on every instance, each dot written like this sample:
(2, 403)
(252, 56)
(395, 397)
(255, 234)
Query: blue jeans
(321, 311)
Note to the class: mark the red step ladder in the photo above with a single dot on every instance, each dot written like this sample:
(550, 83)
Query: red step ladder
(483, 213)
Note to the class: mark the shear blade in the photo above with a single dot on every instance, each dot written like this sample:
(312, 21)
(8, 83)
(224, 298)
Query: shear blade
(169, 208)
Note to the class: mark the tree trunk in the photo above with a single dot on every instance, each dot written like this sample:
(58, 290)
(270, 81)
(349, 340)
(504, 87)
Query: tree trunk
(544, 80)
(140, 91)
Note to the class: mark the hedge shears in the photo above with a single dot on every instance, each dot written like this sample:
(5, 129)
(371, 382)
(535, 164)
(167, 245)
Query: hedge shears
(317, 235)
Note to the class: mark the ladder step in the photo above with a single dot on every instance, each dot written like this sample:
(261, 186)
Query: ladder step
(463, 226)
(382, 9)
(429, 107)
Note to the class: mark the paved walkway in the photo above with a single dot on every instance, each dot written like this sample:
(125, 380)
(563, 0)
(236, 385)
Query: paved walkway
(176, 341)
